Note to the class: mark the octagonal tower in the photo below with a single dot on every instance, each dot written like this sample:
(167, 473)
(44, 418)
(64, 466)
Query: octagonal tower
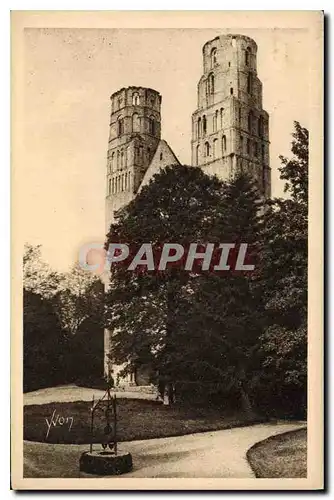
(134, 134)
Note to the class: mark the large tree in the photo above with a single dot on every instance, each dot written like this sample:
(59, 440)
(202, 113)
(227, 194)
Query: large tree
(225, 312)
(43, 340)
(284, 259)
(178, 206)
(188, 326)
(63, 324)
(43, 343)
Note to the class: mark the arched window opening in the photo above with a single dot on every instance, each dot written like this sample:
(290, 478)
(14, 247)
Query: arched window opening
(214, 148)
(197, 155)
(231, 90)
(204, 124)
(211, 84)
(113, 161)
(118, 160)
(109, 186)
(122, 183)
(250, 121)
(221, 117)
(122, 160)
(199, 128)
(135, 122)
(247, 56)
(149, 152)
(120, 126)
(249, 83)
(224, 144)
(135, 99)
(214, 122)
(113, 185)
(241, 144)
(207, 149)
(213, 57)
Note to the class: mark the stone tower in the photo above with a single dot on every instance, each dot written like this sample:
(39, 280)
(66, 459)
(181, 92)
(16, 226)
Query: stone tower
(230, 129)
(136, 153)
(134, 134)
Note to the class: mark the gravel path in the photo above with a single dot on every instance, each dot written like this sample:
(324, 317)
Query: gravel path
(70, 393)
(219, 454)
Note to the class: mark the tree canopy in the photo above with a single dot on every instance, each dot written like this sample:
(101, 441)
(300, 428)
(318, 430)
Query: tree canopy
(284, 275)
(185, 324)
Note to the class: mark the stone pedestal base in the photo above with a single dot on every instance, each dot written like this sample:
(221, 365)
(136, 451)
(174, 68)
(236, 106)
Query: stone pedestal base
(105, 463)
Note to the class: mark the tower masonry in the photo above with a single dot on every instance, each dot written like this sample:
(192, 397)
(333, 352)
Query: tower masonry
(230, 128)
(134, 134)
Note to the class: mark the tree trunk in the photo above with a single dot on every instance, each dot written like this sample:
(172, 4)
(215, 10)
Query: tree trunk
(246, 405)
(170, 389)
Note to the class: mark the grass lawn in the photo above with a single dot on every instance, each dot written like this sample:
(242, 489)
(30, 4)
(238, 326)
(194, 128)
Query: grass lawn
(137, 419)
(280, 456)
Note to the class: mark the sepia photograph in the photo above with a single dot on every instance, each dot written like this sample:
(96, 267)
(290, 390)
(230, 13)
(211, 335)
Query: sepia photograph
(167, 179)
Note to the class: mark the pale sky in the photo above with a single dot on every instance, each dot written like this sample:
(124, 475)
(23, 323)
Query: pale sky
(69, 77)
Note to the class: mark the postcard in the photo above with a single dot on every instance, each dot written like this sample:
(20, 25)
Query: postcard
(167, 208)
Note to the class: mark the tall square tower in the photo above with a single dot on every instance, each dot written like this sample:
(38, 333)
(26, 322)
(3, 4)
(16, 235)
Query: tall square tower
(230, 128)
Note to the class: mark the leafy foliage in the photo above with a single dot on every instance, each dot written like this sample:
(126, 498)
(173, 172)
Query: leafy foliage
(193, 330)
(79, 297)
(43, 343)
(175, 207)
(63, 324)
(295, 169)
(236, 339)
(284, 275)
(38, 277)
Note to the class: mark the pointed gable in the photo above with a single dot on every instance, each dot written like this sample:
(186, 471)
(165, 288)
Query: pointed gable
(163, 157)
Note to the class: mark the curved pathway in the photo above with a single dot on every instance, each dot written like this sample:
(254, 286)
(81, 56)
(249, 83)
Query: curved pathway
(218, 454)
(70, 393)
